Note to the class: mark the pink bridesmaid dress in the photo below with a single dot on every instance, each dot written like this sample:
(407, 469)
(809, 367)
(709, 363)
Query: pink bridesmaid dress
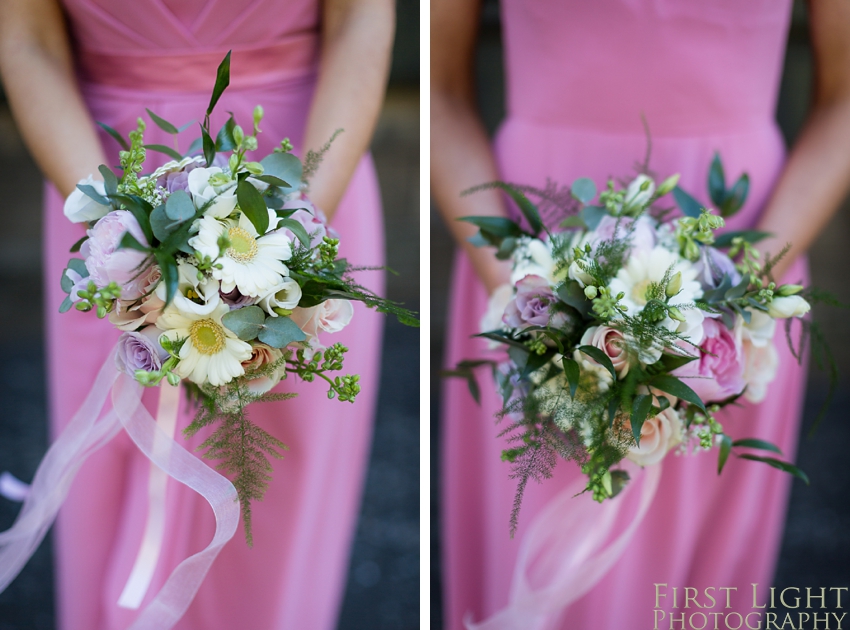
(705, 74)
(162, 54)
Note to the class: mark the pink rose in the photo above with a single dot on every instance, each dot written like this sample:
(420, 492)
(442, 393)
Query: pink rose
(106, 262)
(131, 314)
(718, 372)
(261, 356)
(329, 316)
(657, 436)
(760, 365)
(612, 342)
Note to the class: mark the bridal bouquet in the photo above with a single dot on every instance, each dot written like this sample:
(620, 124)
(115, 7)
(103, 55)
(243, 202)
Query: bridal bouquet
(625, 334)
(222, 275)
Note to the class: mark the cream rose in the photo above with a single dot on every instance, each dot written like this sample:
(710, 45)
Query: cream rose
(790, 306)
(760, 366)
(657, 436)
(613, 343)
(261, 356)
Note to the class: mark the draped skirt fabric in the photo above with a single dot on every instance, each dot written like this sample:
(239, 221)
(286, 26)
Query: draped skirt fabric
(701, 530)
(294, 575)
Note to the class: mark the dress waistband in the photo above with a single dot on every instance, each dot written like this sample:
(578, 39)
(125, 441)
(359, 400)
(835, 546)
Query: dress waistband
(180, 71)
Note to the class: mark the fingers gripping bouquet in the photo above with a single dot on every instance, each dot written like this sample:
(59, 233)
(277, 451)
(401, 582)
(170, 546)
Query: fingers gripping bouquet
(625, 334)
(222, 276)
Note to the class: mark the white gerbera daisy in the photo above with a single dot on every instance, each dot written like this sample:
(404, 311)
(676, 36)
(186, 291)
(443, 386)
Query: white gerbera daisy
(253, 264)
(212, 354)
(648, 266)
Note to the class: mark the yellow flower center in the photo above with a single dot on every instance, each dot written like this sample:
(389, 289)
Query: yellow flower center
(207, 336)
(639, 292)
(243, 246)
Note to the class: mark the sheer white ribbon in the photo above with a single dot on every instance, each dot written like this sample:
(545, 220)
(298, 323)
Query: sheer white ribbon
(88, 431)
(563, 554)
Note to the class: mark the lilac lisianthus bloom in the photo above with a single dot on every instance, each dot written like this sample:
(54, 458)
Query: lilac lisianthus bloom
(530, 305)
(712, 266)
(311, 218)
(175, 175)
(235, 300)
(642, 237)
(140, 351)
(107, 263)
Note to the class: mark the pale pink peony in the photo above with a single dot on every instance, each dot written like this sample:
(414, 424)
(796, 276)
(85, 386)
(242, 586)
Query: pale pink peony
(612, 342)
(311, 218)
(718, 372)
(657, 436)
(107, 263)
(642, 238)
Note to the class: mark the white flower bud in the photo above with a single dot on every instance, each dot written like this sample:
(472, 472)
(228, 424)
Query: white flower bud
(789, 289)
(590, 292)
(675, 284)
(79, 207)
(639, 192)
(577, 272)
(668, 184)
(788, 306)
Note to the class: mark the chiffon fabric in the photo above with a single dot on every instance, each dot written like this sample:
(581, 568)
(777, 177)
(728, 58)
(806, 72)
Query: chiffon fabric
(579, 75)
(163, 55)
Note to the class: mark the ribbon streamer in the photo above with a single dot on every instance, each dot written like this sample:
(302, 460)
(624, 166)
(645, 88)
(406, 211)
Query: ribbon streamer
(563, 554)
(87, 432)
(143, 569)
(13, 488)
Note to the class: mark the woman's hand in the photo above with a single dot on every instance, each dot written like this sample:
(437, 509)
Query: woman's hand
(460, 151)
(357, 38)
(36, 67)
(817, 175)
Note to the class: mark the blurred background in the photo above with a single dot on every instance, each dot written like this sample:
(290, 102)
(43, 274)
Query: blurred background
(383, 578)
(815, 549)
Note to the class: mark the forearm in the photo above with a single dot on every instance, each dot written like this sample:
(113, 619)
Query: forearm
(357, 41)
(812, 186)
(460, 159)
(46, 103)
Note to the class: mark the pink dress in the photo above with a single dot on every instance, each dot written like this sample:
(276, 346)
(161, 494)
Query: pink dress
(705, 74)
(162, 54)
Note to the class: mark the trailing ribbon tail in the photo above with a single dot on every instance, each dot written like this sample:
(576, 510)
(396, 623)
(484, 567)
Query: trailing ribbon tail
(564, 553)
(89, 430)
(13, 488)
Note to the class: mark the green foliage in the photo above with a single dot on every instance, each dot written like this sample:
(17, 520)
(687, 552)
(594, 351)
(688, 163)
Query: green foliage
(313, 158)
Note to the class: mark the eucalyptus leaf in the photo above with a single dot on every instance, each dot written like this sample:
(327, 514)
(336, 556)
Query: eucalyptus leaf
(78, 265)
(583, 189)
(246, 322)
(66, 283)
(66, 304)
(222, 80)
(739, 289)
(296, 228)
(672, 385)
(161, 148)
(286, 167)
(117, 136)
(163, 124)
(252, 205)
(279, 332)
(593, 215)
(196, 145)
(161, 226)
(179, 207)
(690, 207)
(573, 295)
